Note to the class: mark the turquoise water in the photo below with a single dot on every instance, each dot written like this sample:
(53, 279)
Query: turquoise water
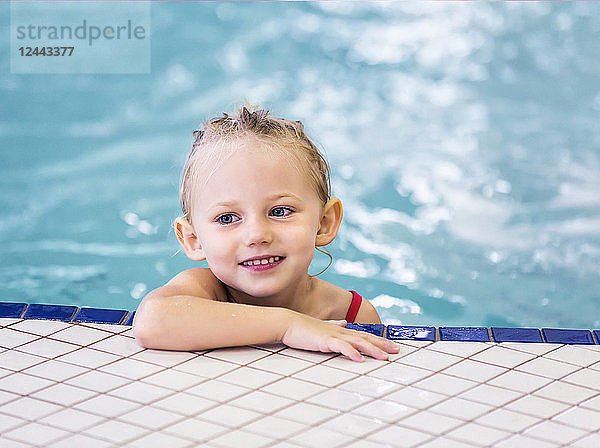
(464, 142)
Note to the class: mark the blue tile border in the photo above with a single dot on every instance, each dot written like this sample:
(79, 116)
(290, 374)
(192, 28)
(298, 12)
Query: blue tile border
(516, 334)
(100, 315)
(12, 309)
(376, 329)
(561, 336)
(71, 313)
(470, 334)
(400, 332)
(50, 312)
(65, 313)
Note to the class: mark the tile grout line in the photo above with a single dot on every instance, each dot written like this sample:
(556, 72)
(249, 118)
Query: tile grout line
(376, 369)
(175, 392)
(295, 402)
(374, 399)
(514, 400)
(303, 400)
(97, 393)
(358, 375)
(105, 418)
(428, 408)
(399, 386)
(262, 415)
(568, 444)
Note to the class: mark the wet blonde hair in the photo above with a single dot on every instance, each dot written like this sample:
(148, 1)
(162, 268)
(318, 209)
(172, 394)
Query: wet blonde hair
(221, 136)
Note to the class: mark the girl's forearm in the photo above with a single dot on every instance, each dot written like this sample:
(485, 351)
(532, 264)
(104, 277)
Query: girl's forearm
(192, 323)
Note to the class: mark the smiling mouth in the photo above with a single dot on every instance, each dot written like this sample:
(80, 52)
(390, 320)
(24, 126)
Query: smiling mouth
(261, 261)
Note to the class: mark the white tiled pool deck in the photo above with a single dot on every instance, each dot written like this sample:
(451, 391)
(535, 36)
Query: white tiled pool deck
(65, 384)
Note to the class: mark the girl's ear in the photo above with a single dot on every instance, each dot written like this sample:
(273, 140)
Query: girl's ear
(188, 239)
(331, 218)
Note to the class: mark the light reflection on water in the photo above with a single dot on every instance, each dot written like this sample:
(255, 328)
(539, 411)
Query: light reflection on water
(463, 139)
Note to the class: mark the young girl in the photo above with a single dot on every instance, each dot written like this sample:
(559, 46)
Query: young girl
(256, 200)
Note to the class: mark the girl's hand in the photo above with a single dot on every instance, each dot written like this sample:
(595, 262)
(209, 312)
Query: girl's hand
(308, 333)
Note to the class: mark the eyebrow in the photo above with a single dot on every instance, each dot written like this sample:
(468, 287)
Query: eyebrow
(273, 197)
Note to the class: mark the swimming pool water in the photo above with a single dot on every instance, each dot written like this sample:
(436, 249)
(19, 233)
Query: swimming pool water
(463, 140)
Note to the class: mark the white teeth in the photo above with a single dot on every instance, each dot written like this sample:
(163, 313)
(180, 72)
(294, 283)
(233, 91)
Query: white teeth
(262, 261)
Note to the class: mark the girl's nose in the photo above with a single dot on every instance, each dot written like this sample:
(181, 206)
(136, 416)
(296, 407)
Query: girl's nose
(258, 232)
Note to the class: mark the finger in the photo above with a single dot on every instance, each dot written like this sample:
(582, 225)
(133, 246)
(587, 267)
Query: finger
(377, 347)
(343, 347)
(382, 343)
(386, 344)
(370, 349)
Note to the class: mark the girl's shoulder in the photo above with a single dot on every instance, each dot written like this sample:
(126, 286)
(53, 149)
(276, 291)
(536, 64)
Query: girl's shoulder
(198, 282)
(331, 300)
(339, 300)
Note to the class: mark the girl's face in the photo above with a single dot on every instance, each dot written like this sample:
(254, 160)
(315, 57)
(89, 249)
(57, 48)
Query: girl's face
(257, 206)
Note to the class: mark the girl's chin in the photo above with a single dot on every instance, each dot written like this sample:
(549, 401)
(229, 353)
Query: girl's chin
(268, 289)
(263, 292)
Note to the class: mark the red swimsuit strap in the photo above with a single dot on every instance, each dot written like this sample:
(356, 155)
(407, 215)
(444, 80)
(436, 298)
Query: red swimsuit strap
(354, 307)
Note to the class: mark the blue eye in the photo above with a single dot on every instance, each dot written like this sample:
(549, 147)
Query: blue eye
(227, 218)
(281, 212)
